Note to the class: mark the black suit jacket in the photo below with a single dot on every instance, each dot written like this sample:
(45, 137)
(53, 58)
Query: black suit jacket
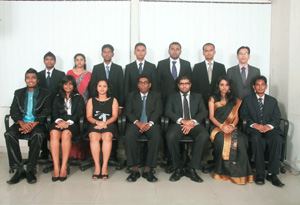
(132, 76)
(55, 80)
(235, 75)
(200, 82)
(167, 84)
(77, 109)
(250, 111)
(115, 80)
(174, 110)
(134, 106)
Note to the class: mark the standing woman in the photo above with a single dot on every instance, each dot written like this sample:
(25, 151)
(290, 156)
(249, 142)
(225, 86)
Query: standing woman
(81, 75)
(230, 145)
(68, 106)
(101, 112)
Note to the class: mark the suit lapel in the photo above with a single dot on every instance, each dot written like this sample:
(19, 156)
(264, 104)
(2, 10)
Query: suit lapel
(112, 71)
(250, 75)
(179, 103)
(53, 78)
(205, 73)
(256, 106)
(238, 74)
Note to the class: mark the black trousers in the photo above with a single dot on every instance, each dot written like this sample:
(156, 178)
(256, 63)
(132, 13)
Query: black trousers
(259, 141)
(13, 148)
(200, 137)
(154, 135)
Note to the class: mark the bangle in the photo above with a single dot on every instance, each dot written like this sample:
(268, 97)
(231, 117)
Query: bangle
(96, 122)
(221, 125)
(232, 125)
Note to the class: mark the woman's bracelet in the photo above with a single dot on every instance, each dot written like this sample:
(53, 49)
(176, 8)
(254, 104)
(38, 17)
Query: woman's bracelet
(221, 125)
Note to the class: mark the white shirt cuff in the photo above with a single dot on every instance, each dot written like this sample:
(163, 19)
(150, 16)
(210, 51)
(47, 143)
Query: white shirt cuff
(58, 119)
(70, 122)
(178, 121)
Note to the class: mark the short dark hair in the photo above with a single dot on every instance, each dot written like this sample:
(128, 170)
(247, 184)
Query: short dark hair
(108, 46)
(174, 43)
(145, 76)
(208, 44)
(31, 70)
(49, 54)
(243, 47)
(80, 54)
(184, 77)
(139, 44)
(260, 77)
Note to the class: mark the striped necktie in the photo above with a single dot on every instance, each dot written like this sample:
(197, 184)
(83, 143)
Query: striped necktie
(261, 107)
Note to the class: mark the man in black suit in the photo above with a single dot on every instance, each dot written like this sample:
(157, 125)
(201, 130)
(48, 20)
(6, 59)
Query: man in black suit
(137, 68)
(49, 79)
(206, 73)
(29, 110)
(263, 117)
(186, 111)
(170, 69)
(143, 110)
(243, 74)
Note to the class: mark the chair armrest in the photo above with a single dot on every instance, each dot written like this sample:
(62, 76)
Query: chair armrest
(81, 124)
(6, 122)
(162, 123)
(166, 124)
(49, 120)
(286, 125)
(243, 124)
(207, 123)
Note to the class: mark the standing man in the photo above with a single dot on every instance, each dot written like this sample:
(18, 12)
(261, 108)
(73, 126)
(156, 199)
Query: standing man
(170, 69)
(263, 119)
(143, 110)
(186, 111)
(29, 110)
(243, 74)
(139, 67)
(49, 79)
(206, 74)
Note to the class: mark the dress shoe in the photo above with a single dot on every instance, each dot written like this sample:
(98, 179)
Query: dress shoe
(192, 174)
(149, 176)
(31, 178)
(104, 176)
(54, 179)
(274, 179)
(63, 178)
(260, 179)
(177, 175)
(133, 176)
(20, 174)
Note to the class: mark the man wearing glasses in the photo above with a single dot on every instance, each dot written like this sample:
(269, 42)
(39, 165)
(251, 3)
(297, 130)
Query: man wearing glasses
(186, 112)
(243, 74)
(143, 110)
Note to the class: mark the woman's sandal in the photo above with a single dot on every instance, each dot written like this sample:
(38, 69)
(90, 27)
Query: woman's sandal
(96, 176)
(104, 176)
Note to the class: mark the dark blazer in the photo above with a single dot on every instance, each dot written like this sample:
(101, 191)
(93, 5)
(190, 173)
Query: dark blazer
(77, 109)
(167, 84)
(41, 104)
(134, 106)
(115, 80)
(55, 80)
(250, 111)
(174, 111)
(235, 75)
(132, 76)
(200, 82)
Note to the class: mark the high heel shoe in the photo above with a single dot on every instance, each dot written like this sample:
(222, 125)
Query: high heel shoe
(54, 179)
(63, 178)
(95, 176)
(104, 176)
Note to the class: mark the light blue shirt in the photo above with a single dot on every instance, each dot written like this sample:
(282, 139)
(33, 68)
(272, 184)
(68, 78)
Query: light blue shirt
(29, 117)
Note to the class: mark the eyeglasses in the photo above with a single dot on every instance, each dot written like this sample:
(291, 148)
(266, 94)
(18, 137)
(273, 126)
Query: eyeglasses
(143, 82)
(243, 54)
(184, 83)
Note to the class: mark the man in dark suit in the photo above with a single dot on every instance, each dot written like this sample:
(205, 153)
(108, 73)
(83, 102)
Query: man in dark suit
(137, 68)
(49, 78)
(263, 117)
(29, 110)
(170, 69)
(206, 73)
(143, 110)
(186, 111)
(243, 74)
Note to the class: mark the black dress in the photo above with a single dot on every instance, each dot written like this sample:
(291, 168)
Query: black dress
(102, 111)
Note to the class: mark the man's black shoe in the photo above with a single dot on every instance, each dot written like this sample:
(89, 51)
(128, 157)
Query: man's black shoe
(133, 176)
(149, 176)
(31, 178)
(176, 175)
(192, 174)
(20, 174)
(275, 181)
(260, 179)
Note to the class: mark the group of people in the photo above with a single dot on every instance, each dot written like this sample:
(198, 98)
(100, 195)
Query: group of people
(145, 94)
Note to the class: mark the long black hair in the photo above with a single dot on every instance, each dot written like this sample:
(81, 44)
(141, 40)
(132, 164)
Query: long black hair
(94, 88)
(62, 93)
(230, 95)
(80, 54)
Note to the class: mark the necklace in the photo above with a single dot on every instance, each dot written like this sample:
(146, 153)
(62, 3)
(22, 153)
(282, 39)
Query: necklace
(102, 102)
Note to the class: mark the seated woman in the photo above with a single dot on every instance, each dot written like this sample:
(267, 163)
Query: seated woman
(68, 106)
(101, 112)
(230, 145)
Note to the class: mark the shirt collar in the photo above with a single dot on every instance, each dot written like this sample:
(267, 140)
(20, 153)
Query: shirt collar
(49, 71)
(186, 94)
(246, 67)
(107, 65)
(138, 62)
(263, 97)
(177, 60)
(142, 95)
(212, 63)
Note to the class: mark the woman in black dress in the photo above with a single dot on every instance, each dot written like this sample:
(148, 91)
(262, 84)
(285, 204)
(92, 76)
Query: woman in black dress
(101, 112)
(68, 106)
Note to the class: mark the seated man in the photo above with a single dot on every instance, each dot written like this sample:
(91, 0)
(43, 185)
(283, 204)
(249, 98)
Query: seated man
(263, 118)
(29, 110)
(143, 110)
(186, 112)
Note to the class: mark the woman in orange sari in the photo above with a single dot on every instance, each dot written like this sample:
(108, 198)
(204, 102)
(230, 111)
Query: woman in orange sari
(230, 145)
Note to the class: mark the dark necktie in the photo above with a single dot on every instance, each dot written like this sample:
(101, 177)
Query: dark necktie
(140, 68)
(107, 71)
(243, 74)
(261, 107)
(143, 115)
(48, 78)
(174, 70)
(186, 109)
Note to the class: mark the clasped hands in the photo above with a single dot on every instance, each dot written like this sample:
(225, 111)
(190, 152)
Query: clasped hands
(100, 125)
(227, 129)
(187, 125)
(144, 126)
(262, 128)
(26, 127)
(62, 124)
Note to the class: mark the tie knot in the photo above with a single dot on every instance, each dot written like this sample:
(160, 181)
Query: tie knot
(260, 99)
(141, 64)
(184, 95)
(243, 68)
(48, 73)
(174, 62)
(209, 63)
(107, 67)
(144, 97)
